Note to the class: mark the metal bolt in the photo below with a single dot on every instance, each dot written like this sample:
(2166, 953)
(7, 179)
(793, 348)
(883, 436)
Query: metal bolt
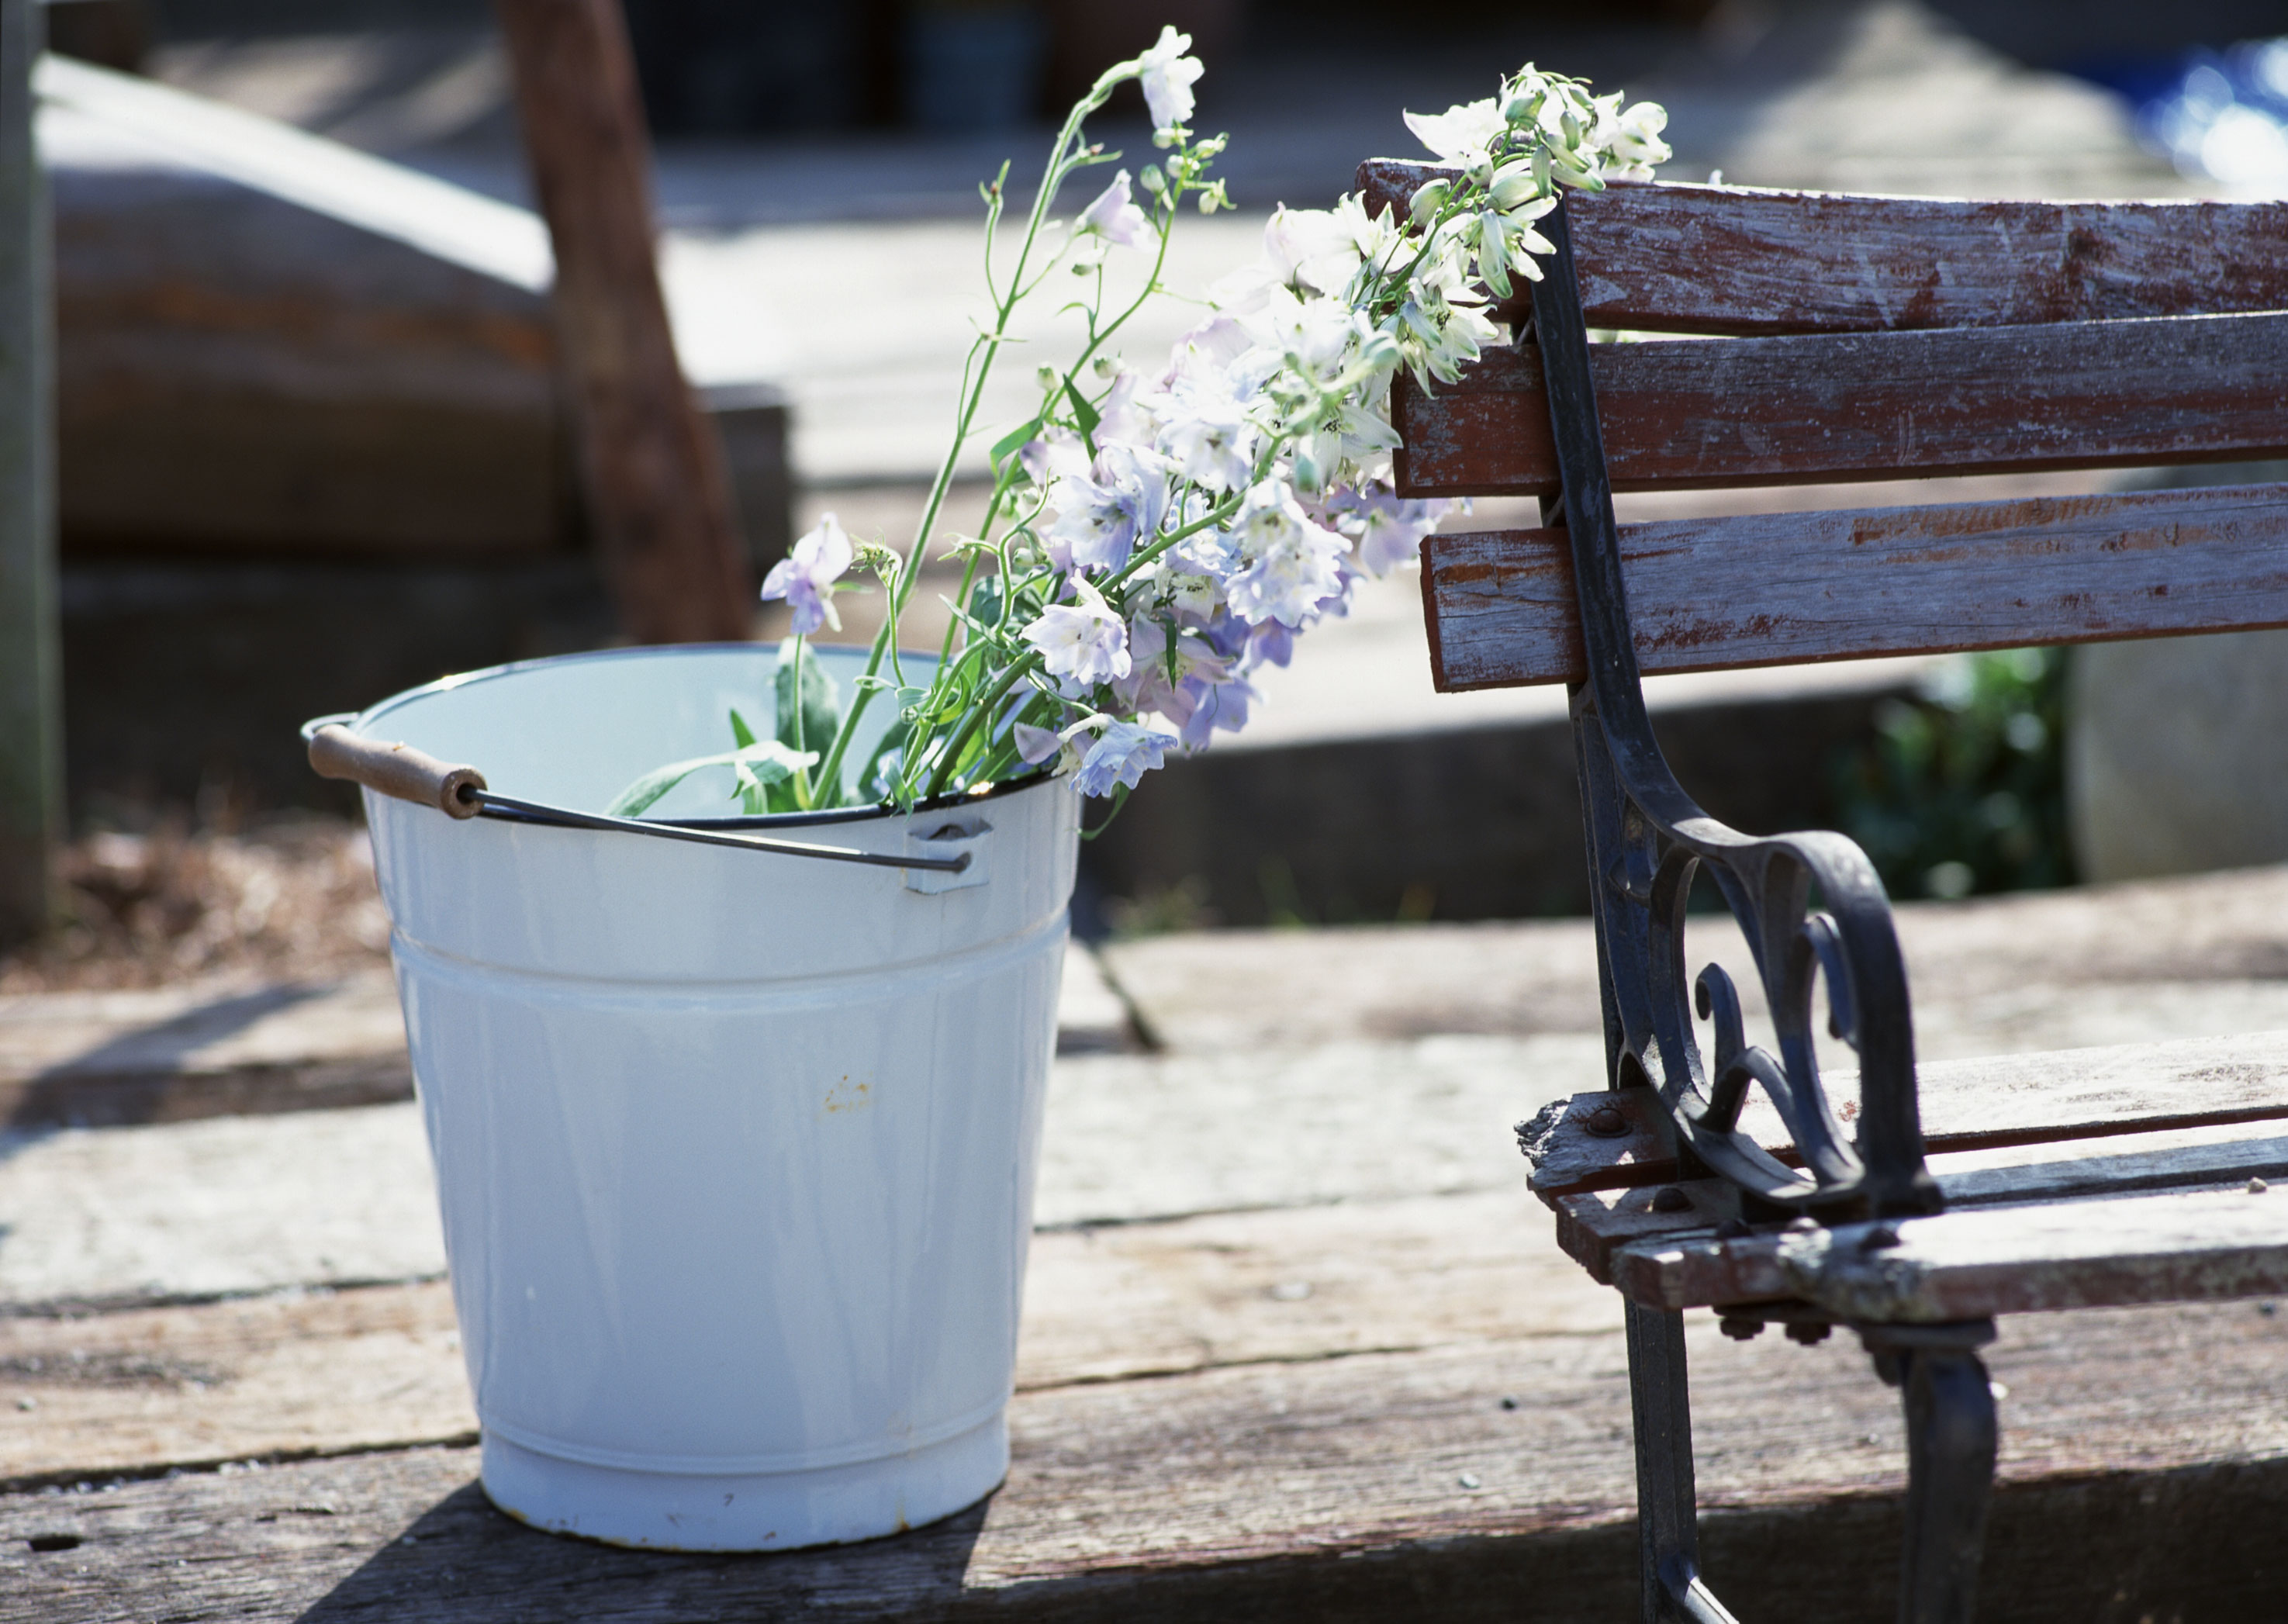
(1606, 1122)
(1740, 1327)
(1670, 1199)
(1732, 1229)
(2257, 1186)
(1879, 1239)
(1802, 1225)
(1808, 1332)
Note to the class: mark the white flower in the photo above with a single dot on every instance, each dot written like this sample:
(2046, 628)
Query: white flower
(1292, 565)
(1459, 135)
(1319, 336)
(1082, 644)
(1124, 753)
(806, 576)
(1168, 76)
(1212, 439)
(1114, 216)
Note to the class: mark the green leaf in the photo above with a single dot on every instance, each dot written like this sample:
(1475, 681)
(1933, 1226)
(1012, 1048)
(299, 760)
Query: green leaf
(1011, 441)
(742, 734)
(767, 762)
(1086, 415)
(821, 714)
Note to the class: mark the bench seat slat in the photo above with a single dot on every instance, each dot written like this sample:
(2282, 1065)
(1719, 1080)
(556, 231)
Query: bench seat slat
(1690, 416)
(2075, 1094)
(1733, 260)
(1594, 1224)
(2205, 1246)
(1744, 589)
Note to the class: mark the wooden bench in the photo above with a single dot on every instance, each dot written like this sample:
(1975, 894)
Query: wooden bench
(1860, 338)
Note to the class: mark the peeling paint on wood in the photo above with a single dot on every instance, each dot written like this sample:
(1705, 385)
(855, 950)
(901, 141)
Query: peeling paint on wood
(1687, 416)
(1732, 259)
(1777, 588)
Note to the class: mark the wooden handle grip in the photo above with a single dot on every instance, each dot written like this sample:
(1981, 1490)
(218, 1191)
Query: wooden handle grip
(394, 770)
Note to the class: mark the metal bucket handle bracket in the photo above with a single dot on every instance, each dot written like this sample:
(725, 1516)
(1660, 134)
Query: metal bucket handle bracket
(933, 864)
(946, 839)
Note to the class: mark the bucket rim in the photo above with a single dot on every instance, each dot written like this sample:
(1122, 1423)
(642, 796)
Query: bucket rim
(356, 721)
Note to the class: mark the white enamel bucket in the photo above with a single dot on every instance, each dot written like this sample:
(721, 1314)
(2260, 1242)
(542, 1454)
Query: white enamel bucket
(736, 1149)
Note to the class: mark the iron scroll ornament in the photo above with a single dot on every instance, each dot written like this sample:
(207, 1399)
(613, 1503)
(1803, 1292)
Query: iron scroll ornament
(1647, 838)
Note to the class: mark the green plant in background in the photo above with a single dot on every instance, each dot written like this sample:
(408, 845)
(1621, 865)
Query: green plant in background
(1962, 790)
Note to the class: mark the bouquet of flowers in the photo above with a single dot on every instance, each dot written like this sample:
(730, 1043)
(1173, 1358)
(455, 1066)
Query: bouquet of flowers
(1154, 536)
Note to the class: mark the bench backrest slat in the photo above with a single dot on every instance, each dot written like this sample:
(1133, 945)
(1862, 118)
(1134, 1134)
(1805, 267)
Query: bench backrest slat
(1690, 415)
(1730, 260)
(1707, 594)
(1873, 338)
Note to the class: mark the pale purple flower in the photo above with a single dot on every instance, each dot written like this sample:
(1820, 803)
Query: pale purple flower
(1270, 644)
(1082, 643)
(806, 576)
(1102, 517)
(1293, 564)
(1389, 528)
(1123, 753)
(1055, 455)
(1114, 216)
(1216, 707)
(1168, 76)
(1035, 745)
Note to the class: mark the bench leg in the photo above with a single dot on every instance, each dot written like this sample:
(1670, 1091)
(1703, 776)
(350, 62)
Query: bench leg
(1950, 1443)
(1660, 1401)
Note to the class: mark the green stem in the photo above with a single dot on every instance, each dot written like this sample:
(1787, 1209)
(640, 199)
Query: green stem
(983, 709)
(1062, 160)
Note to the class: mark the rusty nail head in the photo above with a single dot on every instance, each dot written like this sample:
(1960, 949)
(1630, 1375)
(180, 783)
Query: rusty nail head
(1670, 1199)
(1740, 1327)
(1606, 1122)
(1808, 1332)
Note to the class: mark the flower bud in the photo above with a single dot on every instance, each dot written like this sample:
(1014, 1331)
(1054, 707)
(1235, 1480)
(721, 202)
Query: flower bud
(1152, 180)
(1428, 199)
(1106, 366)
(1046, 376)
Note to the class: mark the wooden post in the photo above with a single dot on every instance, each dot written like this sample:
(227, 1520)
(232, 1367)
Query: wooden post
(31, 724)
(658, 488)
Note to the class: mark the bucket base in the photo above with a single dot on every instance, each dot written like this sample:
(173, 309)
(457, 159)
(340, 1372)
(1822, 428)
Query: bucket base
(830, 1505)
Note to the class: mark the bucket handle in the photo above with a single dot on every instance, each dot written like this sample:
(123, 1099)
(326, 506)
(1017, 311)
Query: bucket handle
(407, 774)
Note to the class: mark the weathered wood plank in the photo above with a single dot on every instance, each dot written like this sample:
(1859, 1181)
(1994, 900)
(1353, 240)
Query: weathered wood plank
(2077, 1094)
(1351, 1489)
(1684, 415)
(1732, 259)
(100, 1059)
(333, 1372)
(31, 653)
(1711, 594)
(1995, 974)
(2201, 1246)
(658, 492)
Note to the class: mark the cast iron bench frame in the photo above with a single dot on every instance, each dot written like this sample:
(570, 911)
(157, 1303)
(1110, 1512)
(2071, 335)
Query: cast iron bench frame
(1962, 338)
